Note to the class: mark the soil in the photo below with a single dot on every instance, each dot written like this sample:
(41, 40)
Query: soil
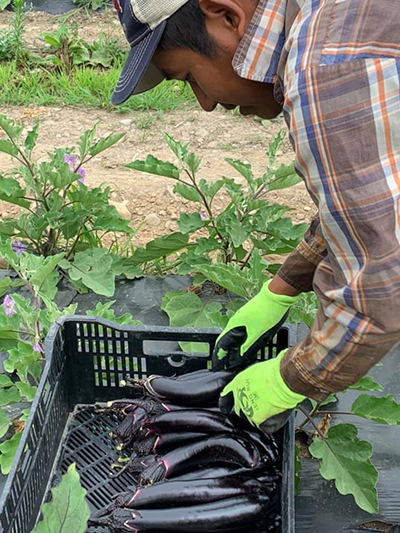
(138, 196)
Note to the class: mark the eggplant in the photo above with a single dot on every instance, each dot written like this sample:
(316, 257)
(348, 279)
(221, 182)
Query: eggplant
(220, 450)
(234, 514)
(166, 442)
(193, 375)
(267, 447)
(173, 493)
(190, 420)
(204, 391)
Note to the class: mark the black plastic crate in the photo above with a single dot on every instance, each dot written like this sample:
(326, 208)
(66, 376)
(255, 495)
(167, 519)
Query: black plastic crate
(86, 359)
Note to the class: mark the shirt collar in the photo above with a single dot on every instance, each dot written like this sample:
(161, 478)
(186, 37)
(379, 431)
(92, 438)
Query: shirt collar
(260, 49)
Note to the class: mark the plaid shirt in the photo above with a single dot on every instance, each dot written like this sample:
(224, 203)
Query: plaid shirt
(336, 69)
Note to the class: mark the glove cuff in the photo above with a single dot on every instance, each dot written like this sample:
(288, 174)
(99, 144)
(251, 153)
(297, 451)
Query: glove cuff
(281, 299)
(284, 396)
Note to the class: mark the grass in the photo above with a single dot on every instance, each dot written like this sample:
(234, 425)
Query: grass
(84, 87)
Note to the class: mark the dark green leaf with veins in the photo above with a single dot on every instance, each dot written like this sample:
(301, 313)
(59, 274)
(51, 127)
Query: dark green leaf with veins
(68, 511)
(346, 460)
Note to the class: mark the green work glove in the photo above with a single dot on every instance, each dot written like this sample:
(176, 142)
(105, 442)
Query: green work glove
(251, 328)
(261, 395)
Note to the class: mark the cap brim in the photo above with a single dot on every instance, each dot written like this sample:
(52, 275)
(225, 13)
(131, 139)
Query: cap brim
(139, 74)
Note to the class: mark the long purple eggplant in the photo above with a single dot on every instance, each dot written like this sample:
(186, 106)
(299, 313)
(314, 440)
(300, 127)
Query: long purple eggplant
(193, 375)
(266, 446)
(216, 517)
(220, 450)
(266, 477)
(159, 444)
(190, 420)
(202, 392)
(173, 493)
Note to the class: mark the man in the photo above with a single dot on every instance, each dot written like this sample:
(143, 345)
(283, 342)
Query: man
(333, 67)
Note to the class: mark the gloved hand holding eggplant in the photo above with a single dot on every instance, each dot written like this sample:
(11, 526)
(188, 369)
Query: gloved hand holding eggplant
(196, 468)
(258, 392)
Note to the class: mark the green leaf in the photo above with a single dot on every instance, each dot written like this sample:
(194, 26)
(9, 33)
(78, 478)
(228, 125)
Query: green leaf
(237, 231)
(31, 138)
(8, 449)
(4, 4)
(8, 396)
(332, 398)
(23, 360)
(185, 309)
(367, 384)
(346, 460)
(152, 165)
(11, 127)
(287, 232)
(305, 309)
(383, 410)
(94, 268)
(105, 311)
(204, 245)
(193, 162)
(5, 381)
(256, 272)
(12, 192)
(5, 423)
(285, 177)
(297, 469)
(104, 144)
(190, 223)
(43, 273)
(233, 306)
(161, 247)
(275, 144)
(180, 150)
(26, 390)
(68, 511)
(230, 277)
(189, 193)
(86, 141)
(244, 169)
(212, 188)
(8, 148)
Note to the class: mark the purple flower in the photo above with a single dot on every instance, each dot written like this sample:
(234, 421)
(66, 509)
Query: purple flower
(203, 216)
(71, 160)
(19, 247)
(9, 306)
(82, 173)
(38, 348)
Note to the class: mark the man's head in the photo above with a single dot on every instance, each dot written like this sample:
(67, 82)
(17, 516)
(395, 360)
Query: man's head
(197, 44)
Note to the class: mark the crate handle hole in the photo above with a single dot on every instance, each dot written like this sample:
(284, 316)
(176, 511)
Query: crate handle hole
(177, 361)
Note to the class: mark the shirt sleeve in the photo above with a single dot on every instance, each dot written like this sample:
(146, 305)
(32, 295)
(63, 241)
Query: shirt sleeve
(299, 268)
(346, 128)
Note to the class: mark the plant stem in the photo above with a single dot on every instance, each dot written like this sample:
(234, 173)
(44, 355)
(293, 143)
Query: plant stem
(205, 202)
(312, 414)
(311, 420)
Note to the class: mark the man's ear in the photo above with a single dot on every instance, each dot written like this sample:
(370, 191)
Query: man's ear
(225, 14)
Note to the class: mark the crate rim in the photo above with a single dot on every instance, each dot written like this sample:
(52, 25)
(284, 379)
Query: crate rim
(48, 352)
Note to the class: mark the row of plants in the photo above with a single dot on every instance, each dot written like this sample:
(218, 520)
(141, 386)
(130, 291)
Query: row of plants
(61, 49)
(61, 232)
(69, 70)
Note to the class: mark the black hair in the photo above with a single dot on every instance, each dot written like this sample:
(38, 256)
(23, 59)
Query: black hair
(187, 29)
